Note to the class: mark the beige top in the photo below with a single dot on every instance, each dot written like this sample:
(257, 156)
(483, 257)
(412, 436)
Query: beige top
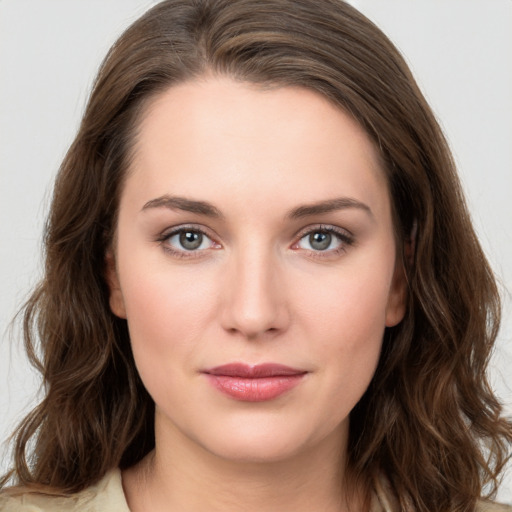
(108, 496)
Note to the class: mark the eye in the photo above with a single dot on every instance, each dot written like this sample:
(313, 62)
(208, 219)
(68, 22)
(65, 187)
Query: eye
(318, 241)
(187, 240)
(324, 239)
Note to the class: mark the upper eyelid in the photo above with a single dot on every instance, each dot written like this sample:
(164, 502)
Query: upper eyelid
(168, 232)
(323, 227)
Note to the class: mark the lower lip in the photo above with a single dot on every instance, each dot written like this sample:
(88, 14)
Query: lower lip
(258, 389)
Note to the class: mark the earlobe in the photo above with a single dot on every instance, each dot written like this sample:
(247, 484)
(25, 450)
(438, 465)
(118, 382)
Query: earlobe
(116, 300)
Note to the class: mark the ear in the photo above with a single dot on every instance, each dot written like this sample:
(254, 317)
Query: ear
(397, 298)
(116, 299)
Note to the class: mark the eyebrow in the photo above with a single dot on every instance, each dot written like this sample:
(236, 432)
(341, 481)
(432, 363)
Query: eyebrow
(182, 203)
(207, 209)
(328, 206)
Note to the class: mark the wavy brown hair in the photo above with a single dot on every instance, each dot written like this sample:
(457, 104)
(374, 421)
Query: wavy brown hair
(429, 420)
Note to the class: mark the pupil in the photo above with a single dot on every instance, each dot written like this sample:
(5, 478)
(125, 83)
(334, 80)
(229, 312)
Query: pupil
(320, 241)
(190, 240)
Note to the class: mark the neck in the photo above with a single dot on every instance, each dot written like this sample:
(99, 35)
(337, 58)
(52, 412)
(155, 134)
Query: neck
(181, 476)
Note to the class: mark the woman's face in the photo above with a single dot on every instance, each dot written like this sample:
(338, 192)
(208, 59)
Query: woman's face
(255, 264)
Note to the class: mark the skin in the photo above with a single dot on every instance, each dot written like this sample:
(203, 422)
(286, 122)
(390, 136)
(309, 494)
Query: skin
(257, 290)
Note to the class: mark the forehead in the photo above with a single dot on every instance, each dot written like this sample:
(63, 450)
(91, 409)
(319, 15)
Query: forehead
(216, 135)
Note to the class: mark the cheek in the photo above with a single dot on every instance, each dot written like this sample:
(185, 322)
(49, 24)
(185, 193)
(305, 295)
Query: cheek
(166, 310)
(347, 323)
(166, 324)
(350, 307)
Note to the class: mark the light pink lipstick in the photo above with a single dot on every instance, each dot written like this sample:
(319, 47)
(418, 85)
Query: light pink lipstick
(254, 383)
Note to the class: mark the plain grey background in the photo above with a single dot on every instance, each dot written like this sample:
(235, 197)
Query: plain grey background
(459, 50)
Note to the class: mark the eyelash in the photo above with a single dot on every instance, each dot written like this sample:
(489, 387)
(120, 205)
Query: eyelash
(345, 238)
(183, 253)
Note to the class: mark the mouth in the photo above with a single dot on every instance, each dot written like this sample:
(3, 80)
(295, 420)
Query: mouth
(254, 383)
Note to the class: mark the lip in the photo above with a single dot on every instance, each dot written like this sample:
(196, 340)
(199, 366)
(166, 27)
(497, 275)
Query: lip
(254, 383)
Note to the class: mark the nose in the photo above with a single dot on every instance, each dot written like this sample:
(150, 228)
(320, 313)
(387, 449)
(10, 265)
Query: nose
(254, 304)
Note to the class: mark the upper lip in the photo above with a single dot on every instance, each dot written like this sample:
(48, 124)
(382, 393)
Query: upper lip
(254, 371)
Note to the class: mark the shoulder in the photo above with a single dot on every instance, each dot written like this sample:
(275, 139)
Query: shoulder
(107, 494)
(385, 501)
(489, 506)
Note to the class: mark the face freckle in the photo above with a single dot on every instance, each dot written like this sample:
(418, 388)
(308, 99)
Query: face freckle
(254, 230)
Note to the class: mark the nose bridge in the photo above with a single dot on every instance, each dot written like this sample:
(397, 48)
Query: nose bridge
(255, 296)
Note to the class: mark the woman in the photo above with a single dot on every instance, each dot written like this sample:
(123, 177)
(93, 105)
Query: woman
(262, 287)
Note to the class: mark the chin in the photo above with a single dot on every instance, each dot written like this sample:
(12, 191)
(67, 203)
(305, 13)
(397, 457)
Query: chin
(262, 450)
(265, 442)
